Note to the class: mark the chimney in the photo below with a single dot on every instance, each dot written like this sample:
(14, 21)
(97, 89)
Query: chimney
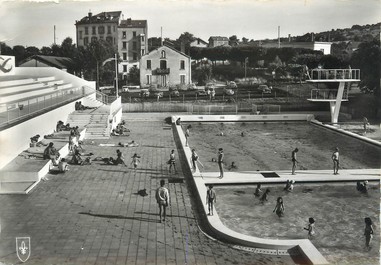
(289, 37)
(90, 14)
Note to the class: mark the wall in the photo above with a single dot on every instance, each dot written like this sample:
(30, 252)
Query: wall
(324, 46)
(16, 139)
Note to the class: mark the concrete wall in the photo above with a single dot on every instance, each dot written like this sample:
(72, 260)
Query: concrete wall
(16, 139)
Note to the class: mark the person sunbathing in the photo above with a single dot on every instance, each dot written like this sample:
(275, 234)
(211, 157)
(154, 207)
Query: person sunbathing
(130, 144)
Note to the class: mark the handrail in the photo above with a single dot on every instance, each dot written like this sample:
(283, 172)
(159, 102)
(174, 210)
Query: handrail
(12, 112)
(327, 94)
(102, 97)
(335, 74)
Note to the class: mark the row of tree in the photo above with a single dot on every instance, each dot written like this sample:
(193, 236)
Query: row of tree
(87, 62)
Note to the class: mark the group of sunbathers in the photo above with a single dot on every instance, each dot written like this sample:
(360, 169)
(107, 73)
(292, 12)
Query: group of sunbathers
(120, 129)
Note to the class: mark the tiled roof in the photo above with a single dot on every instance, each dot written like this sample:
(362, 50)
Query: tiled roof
(54, 61)
(103, 17)
(129, 23)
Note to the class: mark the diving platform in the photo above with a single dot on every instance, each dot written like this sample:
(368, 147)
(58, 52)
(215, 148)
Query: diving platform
(334, 96)
(334, 75)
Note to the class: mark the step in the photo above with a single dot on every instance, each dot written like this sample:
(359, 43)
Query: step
(16, 187)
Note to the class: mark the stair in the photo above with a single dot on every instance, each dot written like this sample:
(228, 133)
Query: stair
(95, 122)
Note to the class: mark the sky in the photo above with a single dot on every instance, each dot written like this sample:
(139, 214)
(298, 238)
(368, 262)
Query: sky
(31, 23)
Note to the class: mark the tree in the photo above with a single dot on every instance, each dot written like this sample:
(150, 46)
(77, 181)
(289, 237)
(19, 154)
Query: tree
(19, 53)
(233, 40)
(134, 76)
(331, 62)
(46, 51)
(5, 49)
(153, 43)
(31, 50)
(97, 52)
(367, 58)
(184, 40)
(68, 48)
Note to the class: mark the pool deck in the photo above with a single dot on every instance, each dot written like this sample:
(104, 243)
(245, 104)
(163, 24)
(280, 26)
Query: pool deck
(303, 176)
(95, 214)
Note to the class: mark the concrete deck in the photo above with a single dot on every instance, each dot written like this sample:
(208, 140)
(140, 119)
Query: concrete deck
(95, 215)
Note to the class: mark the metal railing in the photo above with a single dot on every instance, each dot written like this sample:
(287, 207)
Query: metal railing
(12, 112)
(335, 74)
(327, 94)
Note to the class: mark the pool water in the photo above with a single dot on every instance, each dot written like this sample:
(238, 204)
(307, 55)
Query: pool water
(338, 209)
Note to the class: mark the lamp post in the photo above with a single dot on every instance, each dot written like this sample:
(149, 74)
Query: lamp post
(116, 71)
(116, 75)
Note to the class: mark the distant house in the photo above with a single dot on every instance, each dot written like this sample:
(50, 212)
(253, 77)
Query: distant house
(63, 63)
(215, 41)
(199, 43)
(324, 47)
(165, 66)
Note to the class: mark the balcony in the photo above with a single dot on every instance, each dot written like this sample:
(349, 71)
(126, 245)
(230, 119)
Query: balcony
(159, 71)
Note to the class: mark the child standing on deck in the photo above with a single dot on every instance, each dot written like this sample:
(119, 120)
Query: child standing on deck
(135, 160)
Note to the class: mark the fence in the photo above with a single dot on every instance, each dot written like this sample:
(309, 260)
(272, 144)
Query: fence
(197, 108)
(13, 111)
(326, 94)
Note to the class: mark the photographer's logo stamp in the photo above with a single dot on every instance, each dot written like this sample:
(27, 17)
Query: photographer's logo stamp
(23, 248)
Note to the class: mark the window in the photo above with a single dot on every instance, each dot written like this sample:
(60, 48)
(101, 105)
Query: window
(124, 34)
(148, 79)
(114, 41)
(142, 52)
(86, 30)
(93, 39)
(182, 64)
(134, 45)
(163, 54)
(134, 34)
(108, 29)
(85, 40)
(125, 68)
(182, 79)
(94, 30)
(142, 38)
(80, 34)
(124, 44)
(114, 28)
(163, 64)
(101, 30)
(148, 64)
(124, 56)
(134, 56)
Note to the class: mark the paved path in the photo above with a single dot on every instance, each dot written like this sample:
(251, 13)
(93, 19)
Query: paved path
(94, 214)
